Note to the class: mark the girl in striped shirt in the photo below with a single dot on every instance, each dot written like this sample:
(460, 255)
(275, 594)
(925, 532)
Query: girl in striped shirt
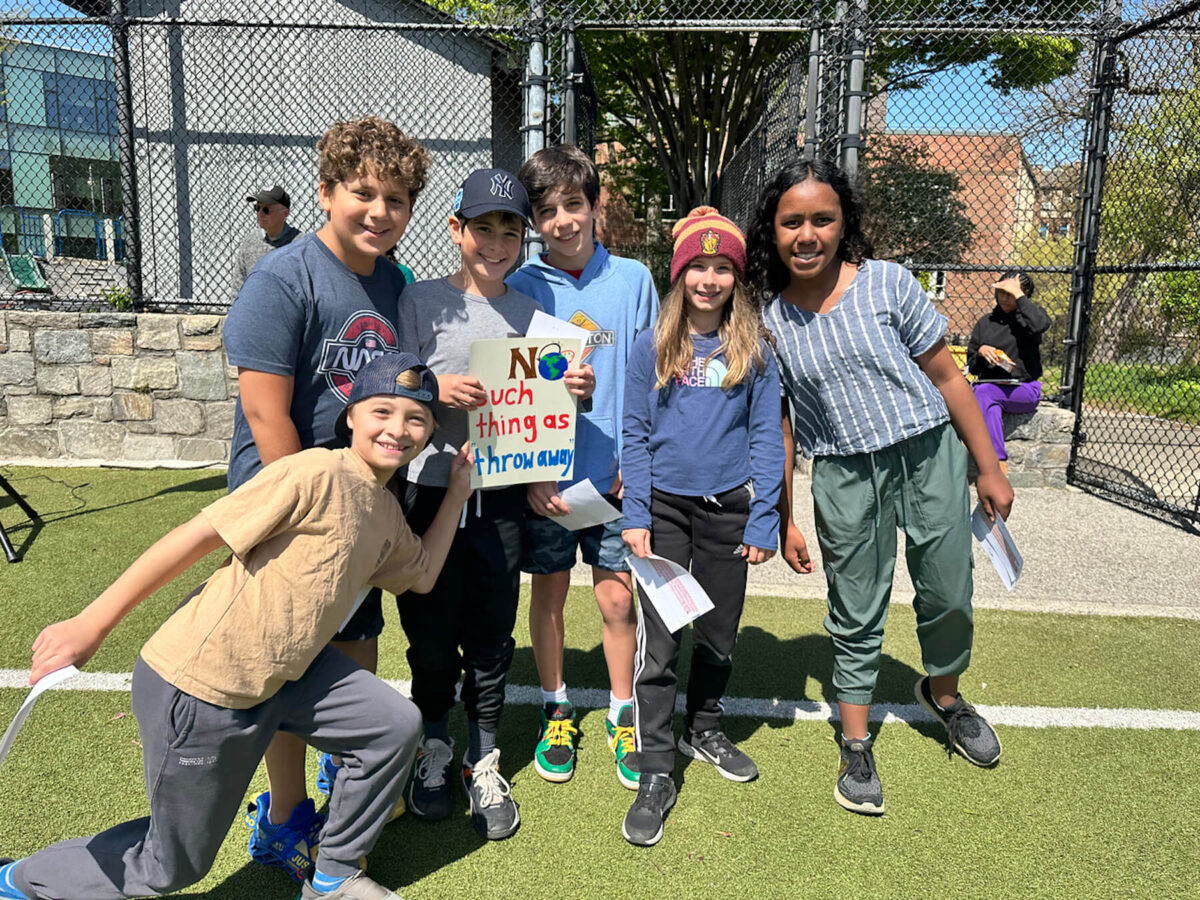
(880, 406)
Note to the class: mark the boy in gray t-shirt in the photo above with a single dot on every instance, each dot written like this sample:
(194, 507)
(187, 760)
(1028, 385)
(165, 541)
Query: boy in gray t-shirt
(465, 624)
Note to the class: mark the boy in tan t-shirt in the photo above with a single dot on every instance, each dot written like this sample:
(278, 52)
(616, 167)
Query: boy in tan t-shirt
(248, 654)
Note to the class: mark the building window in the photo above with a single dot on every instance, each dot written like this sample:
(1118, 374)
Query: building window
(91, 185)
(937, 286)
(80, 104)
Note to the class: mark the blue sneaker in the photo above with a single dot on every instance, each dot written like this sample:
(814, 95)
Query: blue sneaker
(326, 773)
(8, 887)
(291, 846)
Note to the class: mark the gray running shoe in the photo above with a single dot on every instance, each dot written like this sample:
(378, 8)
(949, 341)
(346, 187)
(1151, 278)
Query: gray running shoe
(643, 823)
(429, 793)
(857, 788)
(715, 748)
(494, 813)
(968, 731)
(357, 887)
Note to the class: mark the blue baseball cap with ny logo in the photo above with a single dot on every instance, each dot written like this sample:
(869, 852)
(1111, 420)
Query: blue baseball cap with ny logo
(488, 190)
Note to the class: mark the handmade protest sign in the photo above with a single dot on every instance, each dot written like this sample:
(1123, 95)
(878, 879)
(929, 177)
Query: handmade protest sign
(526, 430)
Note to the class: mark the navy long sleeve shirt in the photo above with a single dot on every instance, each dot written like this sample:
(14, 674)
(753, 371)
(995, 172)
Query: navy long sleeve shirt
(696, 439)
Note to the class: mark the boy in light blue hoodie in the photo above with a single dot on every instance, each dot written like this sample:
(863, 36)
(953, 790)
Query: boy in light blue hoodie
(578, 281)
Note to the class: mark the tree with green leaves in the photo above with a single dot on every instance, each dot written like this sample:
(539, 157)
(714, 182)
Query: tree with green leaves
(687, 99)
(913, 209)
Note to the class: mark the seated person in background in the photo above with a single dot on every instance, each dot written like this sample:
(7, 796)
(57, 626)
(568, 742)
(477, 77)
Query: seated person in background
(1004, 354)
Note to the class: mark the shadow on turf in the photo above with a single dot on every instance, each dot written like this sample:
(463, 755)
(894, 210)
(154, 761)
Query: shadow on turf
(767, 666)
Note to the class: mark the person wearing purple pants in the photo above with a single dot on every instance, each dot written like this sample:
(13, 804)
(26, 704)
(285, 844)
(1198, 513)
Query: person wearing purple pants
(1005, 356)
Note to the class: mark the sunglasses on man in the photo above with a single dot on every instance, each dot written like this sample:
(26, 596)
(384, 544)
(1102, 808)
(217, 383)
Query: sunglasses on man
(263, 208)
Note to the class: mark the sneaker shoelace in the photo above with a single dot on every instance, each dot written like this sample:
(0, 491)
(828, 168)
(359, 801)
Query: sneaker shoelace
(718, 744)
(559, 732)
(431, 764)
(860, 765)
(648, 795)
(622, 740)
(963, 721)
(487, 780)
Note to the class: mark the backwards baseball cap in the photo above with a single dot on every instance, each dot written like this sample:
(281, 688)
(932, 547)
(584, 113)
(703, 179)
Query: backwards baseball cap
(705, 232)
(487, 190)
(381, 376)
(274, 195)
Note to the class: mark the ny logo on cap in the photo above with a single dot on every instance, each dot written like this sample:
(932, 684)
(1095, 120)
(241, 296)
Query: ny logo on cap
(710, 242)
(502, 186)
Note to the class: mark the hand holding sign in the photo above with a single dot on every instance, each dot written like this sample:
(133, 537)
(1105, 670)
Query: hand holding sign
(461, 391)
(525, 431)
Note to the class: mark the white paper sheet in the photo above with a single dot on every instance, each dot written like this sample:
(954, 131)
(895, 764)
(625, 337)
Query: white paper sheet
(676, 595)
(588, 507)
(546, 326)
(44, 684)
(998, 545)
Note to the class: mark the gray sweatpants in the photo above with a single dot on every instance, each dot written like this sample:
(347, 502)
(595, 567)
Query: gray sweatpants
(199, 760)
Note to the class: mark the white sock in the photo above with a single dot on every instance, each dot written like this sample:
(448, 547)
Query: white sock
(559, 696)
(614, 706)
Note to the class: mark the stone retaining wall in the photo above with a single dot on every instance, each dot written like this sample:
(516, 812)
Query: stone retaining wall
(114, 386)
(1039, 446)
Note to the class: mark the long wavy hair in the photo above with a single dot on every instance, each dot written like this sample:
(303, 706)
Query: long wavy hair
(740, 330)
(765, 271)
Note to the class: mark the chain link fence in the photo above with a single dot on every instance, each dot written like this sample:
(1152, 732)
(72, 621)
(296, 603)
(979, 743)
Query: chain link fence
(224, 100)
(1138, 366)
(1053, 136)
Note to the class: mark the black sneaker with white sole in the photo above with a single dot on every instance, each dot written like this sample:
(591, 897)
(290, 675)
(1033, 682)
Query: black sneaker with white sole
(967, 731)
(857, 787)
(716, 749)
(643, 823)
(429, 793)
(494, 812)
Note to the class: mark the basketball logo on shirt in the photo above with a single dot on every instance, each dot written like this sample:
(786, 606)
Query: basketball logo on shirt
(365, 336)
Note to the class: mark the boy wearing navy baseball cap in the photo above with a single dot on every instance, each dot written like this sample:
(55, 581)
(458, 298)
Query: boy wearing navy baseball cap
(248, 654)
(464, 627)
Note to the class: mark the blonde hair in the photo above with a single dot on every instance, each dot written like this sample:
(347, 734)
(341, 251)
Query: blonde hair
(741, 332)
(374, 146)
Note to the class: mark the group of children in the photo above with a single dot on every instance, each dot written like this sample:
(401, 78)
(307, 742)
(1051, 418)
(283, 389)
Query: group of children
(679, 419)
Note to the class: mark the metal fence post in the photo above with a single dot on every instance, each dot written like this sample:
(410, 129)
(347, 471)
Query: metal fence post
(570, 128)
(127, 151)
(533, 125)
(856, 53)
(812, 87)
(1083, 277)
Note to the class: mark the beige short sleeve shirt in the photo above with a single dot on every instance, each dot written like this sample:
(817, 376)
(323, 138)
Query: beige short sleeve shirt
(308, 533)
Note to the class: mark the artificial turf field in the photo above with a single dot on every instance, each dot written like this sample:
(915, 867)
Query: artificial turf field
(1069, 812)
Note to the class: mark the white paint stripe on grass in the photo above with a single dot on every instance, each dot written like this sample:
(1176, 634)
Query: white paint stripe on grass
(757, 708)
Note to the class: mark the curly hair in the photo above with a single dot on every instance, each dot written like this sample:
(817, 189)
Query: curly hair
(371, 145)
(765, 271)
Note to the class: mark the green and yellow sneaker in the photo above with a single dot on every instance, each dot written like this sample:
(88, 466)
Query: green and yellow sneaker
(621, 742)
(554, 758)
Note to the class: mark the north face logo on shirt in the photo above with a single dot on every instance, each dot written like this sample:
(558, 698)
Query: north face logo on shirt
(365, 336)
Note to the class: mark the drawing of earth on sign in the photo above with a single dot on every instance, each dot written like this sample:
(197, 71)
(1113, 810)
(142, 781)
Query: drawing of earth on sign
(715, 373)
(552, 363)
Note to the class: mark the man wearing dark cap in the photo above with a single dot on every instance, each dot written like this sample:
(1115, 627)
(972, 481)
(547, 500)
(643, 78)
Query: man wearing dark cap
(271, 207)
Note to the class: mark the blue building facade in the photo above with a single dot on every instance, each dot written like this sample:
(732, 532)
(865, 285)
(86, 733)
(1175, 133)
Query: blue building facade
(58, 150)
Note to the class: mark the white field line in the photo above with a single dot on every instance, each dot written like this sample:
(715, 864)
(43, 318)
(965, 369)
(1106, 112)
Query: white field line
(788, 710)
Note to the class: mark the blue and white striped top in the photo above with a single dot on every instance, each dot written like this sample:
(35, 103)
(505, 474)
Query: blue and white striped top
(850, 374)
